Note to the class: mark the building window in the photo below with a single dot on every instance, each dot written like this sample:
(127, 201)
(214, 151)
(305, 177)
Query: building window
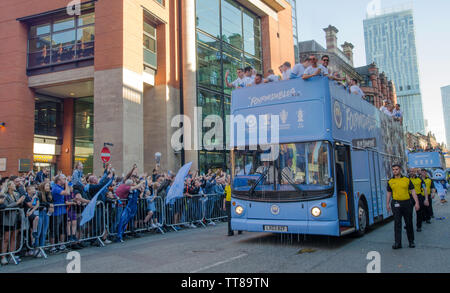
(48, 117)
(84, 133)
(61, 39)
(150, 48)
(228, 38)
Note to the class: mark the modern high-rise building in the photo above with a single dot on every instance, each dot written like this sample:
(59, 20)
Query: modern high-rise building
(390, 43)
(446, 108)
(295, 29)
(116, 72)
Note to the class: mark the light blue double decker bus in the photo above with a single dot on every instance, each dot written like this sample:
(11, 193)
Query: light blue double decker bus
(327, 173)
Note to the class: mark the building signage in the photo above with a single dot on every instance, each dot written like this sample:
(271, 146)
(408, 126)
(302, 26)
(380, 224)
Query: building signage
(43, 159)
(2, 164)
(364, 143)
(24, 165)
(105, 155)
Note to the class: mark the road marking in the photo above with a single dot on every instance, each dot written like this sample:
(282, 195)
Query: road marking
(219, 263)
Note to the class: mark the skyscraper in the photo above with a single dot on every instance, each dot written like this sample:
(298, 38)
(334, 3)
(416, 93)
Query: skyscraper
(295, 29)
(446, 108)
(390, 43)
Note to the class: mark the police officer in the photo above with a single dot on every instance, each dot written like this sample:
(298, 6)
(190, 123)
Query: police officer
(398, 188)
(422, 195)
(431, 190)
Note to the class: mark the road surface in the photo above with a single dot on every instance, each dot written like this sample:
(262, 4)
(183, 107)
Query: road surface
(209, 250)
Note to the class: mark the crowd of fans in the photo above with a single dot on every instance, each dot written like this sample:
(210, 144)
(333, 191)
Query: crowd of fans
(392, 111)
(307, 69)
(418, 149)
(53, 206)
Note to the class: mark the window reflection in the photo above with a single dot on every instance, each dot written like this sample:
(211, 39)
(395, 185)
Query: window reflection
(208, 56)
(47, 117)
(84, 132)
(61, 40)
(228, 38)
(208, 16)
(301, 164)
(231, 24)
(63, 24)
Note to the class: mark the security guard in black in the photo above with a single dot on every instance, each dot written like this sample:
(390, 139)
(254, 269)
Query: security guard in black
(398, 189)
(420, 187)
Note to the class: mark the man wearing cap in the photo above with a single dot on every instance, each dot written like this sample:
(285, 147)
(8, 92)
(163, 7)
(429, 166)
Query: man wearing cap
(398, 188)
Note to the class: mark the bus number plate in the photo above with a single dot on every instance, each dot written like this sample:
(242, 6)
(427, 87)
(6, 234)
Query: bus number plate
(275, 228)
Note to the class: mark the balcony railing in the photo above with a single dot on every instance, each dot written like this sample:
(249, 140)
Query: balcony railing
(61, 55)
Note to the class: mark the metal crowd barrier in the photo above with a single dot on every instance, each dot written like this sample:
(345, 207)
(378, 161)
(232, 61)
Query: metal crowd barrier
(195, 209)
(147, 213)
(214, 207)
(62, 227)
(185, 211)
(12, 240)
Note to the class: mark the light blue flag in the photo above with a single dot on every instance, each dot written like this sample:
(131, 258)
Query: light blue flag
(176, 190)
(89, 211)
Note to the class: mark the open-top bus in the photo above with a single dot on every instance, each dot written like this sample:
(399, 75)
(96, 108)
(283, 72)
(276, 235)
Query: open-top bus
(430, 160)
(327, 173)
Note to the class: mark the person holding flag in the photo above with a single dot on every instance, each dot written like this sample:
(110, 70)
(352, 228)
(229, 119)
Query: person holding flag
(100, 189)
(130, 210)
(175, 191)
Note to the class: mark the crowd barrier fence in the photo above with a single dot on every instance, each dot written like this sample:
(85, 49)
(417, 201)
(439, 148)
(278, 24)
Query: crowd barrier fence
(62, 227)
(148, 211)
(11, 223)
(49, 230)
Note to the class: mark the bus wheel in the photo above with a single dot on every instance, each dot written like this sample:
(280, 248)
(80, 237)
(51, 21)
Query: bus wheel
(363, 219)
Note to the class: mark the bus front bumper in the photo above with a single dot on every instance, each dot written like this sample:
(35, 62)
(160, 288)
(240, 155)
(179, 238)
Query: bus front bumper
(330, 228)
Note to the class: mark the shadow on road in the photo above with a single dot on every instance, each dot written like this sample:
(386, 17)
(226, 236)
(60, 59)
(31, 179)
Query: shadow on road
(312, 241)
(297, 240)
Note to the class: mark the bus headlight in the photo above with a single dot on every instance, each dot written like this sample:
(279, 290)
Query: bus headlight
(315, 211)
(239, 210)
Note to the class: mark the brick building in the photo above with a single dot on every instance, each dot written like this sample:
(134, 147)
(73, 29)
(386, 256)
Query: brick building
(118, 73)
(376, 85)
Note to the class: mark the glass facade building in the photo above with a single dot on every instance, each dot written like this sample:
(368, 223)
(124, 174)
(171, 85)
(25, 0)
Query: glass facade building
(390, 43)
(445, 91)
(228, 38)
(295, 29)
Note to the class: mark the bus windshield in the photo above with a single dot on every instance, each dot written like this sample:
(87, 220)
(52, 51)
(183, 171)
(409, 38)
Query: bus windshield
(301, 170)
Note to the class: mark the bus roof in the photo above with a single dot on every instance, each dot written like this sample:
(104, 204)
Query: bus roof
(317, 109)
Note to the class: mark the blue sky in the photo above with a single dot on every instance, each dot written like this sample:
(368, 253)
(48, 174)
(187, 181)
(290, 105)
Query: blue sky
(432, 24)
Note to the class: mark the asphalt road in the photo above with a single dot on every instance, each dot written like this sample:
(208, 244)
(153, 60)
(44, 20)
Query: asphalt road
(208, 250)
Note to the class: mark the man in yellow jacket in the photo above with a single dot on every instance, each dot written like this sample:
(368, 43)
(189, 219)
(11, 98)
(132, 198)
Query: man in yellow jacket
(398, 189)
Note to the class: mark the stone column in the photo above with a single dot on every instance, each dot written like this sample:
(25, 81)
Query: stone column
(118, 112)
(348, 51)
(331, 38)
(189, 77)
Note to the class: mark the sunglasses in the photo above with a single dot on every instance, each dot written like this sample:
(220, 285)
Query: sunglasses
(326, 60)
